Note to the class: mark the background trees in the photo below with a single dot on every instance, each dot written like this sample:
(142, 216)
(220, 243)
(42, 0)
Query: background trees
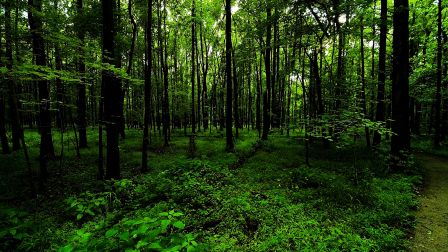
(299, 67)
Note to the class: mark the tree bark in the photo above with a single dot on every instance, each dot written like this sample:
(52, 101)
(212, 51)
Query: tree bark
(267, 95)
(229, 128)
(400, 81)
(437, 123)
(46, 142)
(380, 107)
(111, 90)
(148, 86)
(81, 102)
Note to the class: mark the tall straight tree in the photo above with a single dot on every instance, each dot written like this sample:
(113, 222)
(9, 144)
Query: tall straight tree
(229, 131)
(81, 101)
(46, 141)
(266, 95)
(380, 107)
(437, 123)
(193, 68)
(165, 102)
(16, 128)
(400, 79)
(148, 87)
(111, 90)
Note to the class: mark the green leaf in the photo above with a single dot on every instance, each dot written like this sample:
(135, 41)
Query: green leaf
(111, 232)
(13, 231)
(177, 214)
(179, 224)
(155, 245)
(79, 216)
(163, 214)
(124, 236)
(164, 224)
(66, 248)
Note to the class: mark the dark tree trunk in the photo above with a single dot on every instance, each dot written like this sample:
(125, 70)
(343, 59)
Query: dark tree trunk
(16, 127)
(380, 107)
(400, 81)
(340, 69)
(3, 137)
(229, 131)
(259, 96)
(267, 95)
(148, 86)
(81, 102)
(112, 90)
(438, 105)
(236, 105)
(165, 103)
(363, 82)
(205, 111)
(46, 142)
(193, 68)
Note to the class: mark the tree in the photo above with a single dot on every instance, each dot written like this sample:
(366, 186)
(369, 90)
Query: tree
(229, 131)
(16, 128)
(111, 89)
(81, 101)
(46, 141)
(400, 79)
(148, 86)
(380, 107)
(438, 135)
(267, 95)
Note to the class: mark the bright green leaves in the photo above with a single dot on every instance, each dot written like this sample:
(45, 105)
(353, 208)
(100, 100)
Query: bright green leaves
(140, 233)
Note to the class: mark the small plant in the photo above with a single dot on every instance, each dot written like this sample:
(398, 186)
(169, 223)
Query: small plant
(88, 205)
(136, 234)
(14, 227)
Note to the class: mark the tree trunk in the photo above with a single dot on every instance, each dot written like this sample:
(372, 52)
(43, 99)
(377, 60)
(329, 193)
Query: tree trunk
(46, 142)
(13, 105)
(400, 81)
(267, 95)
(148, 86)
(81, 102)
(437, 123)
(165, 103)
(380, 107)
(112, 90)
(229, 131)
(363, 83)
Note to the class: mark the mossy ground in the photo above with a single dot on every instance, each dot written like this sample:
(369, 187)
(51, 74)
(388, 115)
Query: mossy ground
(269, 202)
(431, 233)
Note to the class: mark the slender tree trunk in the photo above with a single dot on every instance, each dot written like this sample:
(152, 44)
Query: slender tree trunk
(16, 127)
(166, 109)
(259, 96)
(229, 131)
(3, 137)
(438, 105)
(148, 87)
(193, 68)
(400, 81)
(380, 107)
(81, 102)
(363, 83)
(236, 105)
(266, 95)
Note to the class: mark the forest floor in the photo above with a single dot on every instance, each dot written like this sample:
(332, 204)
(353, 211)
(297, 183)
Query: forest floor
(260, 198)
(431, 233)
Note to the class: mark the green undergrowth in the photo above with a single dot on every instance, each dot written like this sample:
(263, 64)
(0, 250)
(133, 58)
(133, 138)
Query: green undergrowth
(269, 202)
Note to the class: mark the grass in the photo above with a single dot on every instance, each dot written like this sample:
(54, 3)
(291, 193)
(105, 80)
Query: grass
(269, 202)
